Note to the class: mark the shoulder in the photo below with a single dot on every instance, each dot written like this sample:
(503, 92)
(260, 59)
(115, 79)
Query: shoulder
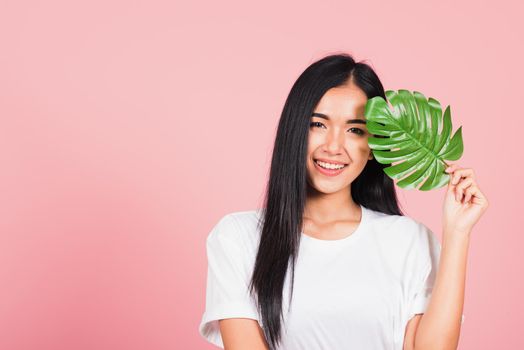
(402, 235)
(239, 228)
(406, 245)
(401, 228)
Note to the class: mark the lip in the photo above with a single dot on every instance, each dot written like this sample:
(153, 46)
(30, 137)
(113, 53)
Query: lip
(329, 172)
(330, 161)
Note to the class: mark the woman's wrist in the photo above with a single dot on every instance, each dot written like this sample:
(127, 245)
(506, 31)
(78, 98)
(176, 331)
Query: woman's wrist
(454, 235)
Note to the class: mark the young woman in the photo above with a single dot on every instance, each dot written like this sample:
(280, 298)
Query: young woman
(330, 262)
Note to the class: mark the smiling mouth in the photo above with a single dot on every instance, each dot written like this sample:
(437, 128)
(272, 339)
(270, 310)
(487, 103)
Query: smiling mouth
(329, 166)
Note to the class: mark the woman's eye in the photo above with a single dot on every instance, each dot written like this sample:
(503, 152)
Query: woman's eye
(356, 130)
(359, 131)
(318, 124)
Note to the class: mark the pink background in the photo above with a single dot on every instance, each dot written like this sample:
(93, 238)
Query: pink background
(128, 128)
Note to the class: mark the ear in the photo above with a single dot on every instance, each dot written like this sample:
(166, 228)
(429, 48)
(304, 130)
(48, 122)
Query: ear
(370, 155)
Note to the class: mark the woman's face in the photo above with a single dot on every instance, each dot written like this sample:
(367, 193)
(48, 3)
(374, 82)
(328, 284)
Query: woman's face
(338, 134)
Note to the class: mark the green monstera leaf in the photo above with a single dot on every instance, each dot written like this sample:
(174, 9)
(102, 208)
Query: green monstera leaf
(408, 137)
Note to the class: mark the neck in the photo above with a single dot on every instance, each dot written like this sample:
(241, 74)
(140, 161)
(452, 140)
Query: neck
(328, 207)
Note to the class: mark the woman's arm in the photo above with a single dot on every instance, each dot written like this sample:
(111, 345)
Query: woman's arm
(464, 204)
(241, 334)
(439, 327)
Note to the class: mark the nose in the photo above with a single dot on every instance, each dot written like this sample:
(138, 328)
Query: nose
(335, 141)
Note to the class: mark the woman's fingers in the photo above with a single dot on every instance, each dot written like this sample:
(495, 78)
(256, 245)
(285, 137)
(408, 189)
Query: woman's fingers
(472, 193)
(462, 187)
(462, 173)
(463, 179)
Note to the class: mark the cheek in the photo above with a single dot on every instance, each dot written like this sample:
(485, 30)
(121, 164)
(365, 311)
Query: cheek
(361, 146)
(314, 141)
(365, 147)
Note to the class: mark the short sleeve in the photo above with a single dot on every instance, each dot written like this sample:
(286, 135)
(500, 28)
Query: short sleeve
(228, 274)
(429, 249)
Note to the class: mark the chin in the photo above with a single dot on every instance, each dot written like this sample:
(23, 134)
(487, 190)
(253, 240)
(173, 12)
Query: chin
(329, 188)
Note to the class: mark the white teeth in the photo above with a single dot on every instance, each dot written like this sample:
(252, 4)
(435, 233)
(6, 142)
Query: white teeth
(329, 166)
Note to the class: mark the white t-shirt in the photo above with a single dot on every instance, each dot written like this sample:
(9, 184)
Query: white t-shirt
(358, 292)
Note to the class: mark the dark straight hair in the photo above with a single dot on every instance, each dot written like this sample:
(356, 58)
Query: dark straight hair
(282, 214)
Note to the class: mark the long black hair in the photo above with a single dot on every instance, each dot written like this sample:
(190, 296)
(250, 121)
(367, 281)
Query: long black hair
(286, 191)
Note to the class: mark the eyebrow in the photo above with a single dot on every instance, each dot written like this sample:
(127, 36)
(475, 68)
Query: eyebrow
(349, 121)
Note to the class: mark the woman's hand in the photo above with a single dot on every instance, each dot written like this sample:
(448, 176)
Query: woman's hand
(464, 203)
